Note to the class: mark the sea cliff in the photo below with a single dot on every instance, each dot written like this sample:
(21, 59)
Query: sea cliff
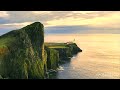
(24, 55)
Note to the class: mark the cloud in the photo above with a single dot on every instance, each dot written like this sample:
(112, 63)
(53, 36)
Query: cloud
(52, 18)
(3, 14)
(31, 16)
(80, 29)
(17, 25)
(83, 20)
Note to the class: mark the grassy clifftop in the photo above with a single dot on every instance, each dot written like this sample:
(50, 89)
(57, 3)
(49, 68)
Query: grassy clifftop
(59, 52)
(22, 53)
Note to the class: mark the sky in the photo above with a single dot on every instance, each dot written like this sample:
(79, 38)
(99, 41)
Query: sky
(63, 22)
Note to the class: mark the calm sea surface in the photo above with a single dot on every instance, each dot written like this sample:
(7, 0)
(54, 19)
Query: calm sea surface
(100, 58)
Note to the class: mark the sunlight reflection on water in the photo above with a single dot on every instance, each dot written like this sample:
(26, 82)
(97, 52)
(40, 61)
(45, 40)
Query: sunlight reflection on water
(100, 57)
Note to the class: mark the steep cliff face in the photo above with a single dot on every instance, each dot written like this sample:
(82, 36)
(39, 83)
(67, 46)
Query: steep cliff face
(74, 49)
(23, 56)
(52, 58)
(64, 53)
(22, 53)
(59, 52)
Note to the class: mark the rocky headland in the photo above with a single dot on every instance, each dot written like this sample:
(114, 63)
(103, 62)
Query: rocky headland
(25, 55)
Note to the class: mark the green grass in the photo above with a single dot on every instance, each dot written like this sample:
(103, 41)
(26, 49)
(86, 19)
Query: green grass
(21, 53)
(46, 43)
(56, 45)
(5, 41)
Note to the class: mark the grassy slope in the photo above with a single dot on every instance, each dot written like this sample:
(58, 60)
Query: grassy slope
(56, 45)
(22, 53)
(5, 41)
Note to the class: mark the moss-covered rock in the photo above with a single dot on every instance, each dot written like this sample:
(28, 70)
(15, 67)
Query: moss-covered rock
(24, 55)
(60, 53)
(64, 53)
(1, 77)
(52, 58)
(74, 48)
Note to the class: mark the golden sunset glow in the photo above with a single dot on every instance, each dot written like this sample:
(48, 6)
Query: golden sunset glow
(107, 21)
(111, 19)
(59, 44)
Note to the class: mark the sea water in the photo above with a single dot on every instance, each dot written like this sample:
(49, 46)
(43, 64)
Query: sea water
(100, 58)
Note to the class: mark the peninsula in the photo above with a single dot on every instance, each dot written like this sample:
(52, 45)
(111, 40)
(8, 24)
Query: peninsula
(25, 55)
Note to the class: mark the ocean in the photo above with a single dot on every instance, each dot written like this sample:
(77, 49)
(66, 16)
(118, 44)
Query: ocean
(100, 58)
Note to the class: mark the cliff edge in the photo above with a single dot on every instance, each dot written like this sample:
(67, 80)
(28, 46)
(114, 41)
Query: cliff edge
(24, 55)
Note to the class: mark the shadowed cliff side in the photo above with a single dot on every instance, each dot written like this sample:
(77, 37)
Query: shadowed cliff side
(59, 53)
(22, 53)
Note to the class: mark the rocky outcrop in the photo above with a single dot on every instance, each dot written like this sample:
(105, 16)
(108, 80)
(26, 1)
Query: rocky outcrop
(23, 55)
(74, 49)
(69, 51)
(59, 52)
(52, 58)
